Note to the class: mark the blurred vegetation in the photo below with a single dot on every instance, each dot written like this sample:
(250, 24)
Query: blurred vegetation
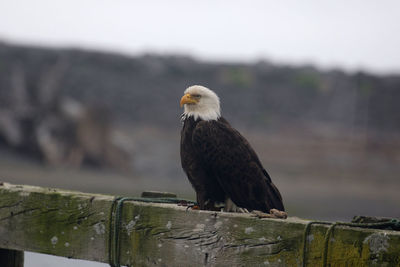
(147, 88)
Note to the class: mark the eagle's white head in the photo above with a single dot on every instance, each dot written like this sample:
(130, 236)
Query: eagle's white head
(201, 102)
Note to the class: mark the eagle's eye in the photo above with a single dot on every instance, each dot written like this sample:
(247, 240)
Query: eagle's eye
(196, 96)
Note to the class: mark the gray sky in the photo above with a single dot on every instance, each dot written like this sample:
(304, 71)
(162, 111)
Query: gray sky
(350, 34)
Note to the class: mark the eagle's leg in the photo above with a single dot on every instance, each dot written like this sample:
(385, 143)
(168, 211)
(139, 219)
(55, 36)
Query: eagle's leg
(205, 203)
(231, 207)
(273, 213)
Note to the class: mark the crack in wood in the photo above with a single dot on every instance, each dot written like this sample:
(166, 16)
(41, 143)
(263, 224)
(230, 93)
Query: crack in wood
(253, 245)
(18, 213)
(11, 205)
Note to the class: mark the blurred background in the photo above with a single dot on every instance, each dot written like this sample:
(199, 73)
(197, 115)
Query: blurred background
(89, 96)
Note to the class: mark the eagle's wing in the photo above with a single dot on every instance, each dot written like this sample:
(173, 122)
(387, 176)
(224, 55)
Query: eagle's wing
(227, 154)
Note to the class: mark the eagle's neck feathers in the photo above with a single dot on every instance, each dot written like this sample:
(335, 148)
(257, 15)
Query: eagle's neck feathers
(205, 115)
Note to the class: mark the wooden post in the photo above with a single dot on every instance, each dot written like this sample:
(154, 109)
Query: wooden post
(11, 258)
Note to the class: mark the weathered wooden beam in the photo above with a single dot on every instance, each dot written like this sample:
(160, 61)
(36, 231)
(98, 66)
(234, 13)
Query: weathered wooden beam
(76, 225)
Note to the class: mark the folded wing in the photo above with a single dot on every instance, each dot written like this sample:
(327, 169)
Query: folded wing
(228, 155)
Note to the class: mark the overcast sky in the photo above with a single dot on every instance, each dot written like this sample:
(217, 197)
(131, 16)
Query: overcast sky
(348, 34)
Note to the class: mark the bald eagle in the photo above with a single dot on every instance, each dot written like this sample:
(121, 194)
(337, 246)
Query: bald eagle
(220, 164)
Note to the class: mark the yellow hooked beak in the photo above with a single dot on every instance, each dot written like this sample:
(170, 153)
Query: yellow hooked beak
(188, 99)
